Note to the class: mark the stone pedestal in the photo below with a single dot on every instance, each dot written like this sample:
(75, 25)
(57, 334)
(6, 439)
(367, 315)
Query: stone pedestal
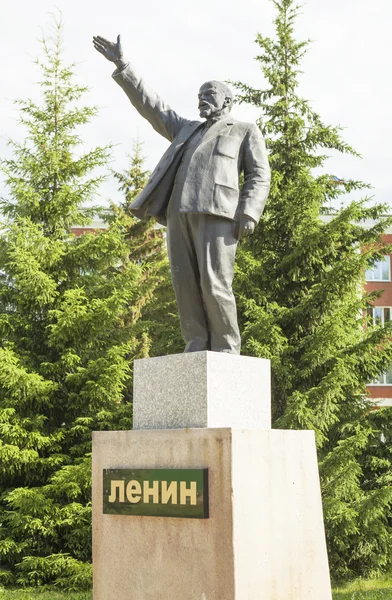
(264, 537)
(202, 389)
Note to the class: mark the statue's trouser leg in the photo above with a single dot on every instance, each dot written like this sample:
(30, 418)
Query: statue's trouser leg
(186, 283)
(202, 251)
(215, 245)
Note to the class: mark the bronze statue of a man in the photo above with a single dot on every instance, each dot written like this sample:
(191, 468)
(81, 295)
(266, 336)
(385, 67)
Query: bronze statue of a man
(195, 191)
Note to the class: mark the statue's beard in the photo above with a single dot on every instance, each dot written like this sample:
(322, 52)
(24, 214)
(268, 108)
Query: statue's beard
(205, 111)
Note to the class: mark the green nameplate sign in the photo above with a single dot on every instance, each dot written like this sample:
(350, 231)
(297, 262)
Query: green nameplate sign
(156, 492)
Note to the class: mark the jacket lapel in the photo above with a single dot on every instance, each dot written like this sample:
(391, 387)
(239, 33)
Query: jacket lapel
(170, 156)
(221, 127)
(183, 137)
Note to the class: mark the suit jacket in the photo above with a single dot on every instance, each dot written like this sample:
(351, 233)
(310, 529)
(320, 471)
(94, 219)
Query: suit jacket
(228, 148)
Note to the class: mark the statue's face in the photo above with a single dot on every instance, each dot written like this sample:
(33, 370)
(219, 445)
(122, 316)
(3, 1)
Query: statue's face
(212, 100)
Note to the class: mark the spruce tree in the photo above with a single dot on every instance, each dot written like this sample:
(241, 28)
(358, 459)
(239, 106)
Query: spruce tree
(147, 246)
(299, 284)
(70, 328)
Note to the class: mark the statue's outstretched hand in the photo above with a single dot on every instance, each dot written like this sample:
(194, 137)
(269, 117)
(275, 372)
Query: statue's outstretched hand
(112, 51)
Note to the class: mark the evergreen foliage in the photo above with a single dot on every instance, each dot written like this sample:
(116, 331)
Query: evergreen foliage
(146, 244)
(299, 282)
(70, 328)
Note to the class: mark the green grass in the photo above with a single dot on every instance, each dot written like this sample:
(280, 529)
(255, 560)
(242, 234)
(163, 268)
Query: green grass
(363, 589)
(37, 594)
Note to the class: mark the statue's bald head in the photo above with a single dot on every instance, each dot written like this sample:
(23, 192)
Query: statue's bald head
(215, 98)
(221, 87)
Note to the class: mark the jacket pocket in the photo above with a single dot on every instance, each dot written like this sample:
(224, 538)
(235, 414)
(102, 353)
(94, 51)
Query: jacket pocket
(225, 200)
(227, 145)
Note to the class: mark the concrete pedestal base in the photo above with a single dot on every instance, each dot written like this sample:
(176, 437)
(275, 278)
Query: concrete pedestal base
(264, 538)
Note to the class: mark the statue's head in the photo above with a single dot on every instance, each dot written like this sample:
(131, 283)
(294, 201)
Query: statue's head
(215, 98)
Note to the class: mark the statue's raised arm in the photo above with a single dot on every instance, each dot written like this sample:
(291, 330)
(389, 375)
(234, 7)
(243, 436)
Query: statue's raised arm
(163, 118)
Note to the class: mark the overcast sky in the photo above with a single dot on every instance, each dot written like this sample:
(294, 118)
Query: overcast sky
(177, 45)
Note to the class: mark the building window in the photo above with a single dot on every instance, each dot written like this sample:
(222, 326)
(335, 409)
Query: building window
(384, 378)
(379, 315)
(381, 271)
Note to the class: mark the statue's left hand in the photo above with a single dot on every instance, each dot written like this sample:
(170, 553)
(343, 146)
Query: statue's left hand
(246, 226)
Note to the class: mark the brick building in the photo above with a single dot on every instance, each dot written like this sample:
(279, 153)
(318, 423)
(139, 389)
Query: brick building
(376, 279)
(96, 225)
